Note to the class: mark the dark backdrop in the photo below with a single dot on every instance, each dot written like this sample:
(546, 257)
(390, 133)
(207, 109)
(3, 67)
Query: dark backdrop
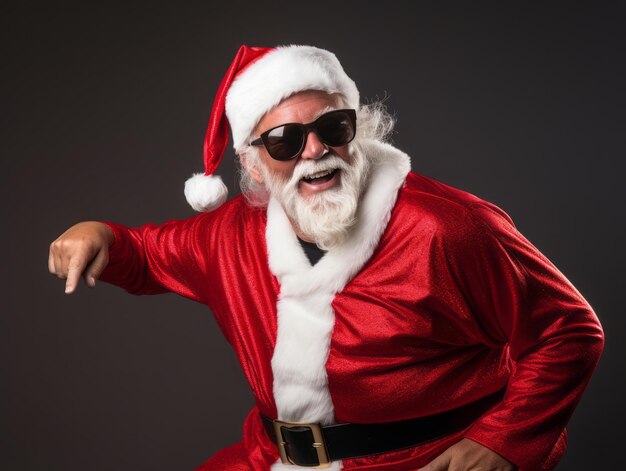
(104, 109)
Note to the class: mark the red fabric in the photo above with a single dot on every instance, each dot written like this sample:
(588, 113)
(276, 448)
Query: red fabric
(216, 137)
(454, 304)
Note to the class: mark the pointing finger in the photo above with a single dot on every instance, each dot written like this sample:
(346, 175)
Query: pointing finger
(76, 266)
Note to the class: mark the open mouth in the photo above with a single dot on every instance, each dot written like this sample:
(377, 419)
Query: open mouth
(320, 177)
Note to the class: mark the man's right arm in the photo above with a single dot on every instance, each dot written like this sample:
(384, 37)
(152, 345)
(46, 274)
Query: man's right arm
(150, 259)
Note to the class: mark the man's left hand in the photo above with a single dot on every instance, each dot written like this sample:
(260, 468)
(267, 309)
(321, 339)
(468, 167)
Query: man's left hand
(468, 455)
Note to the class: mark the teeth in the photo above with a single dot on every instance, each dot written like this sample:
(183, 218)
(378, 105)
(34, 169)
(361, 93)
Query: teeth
(319, 174)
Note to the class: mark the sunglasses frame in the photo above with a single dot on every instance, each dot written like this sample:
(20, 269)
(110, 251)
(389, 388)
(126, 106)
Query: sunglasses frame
(306, 129)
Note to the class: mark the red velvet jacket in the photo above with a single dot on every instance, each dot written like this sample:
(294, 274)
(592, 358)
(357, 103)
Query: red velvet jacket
(438, 301)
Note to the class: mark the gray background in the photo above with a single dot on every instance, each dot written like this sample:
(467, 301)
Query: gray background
(104, 110)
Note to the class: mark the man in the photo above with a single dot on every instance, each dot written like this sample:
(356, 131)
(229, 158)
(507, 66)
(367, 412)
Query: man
(355, 292)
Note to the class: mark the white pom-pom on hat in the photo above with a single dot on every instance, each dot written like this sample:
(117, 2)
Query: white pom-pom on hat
(205, 192)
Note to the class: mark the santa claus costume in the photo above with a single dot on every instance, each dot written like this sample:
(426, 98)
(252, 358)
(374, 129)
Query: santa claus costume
(434, 301)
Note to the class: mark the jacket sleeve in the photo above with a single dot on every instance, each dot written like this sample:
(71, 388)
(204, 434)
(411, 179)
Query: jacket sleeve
(520, 299)
(153, 259)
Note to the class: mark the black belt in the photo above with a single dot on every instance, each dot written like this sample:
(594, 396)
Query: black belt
(313, 445)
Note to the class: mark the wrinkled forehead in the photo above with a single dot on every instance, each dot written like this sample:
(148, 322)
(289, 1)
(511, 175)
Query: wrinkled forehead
(301, 107)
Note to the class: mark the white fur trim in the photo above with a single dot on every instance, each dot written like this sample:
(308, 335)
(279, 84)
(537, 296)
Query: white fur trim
(305, 314)
(276, 76)
(205, 192)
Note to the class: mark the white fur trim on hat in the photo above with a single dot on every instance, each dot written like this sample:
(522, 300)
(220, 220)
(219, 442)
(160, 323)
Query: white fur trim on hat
(205, 192)
(278, 75)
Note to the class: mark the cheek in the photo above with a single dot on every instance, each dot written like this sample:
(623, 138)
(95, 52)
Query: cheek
(282, 170)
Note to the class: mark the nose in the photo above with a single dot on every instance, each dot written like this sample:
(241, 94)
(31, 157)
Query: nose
(314, 148)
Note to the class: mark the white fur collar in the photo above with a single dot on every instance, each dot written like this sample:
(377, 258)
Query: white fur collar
(305, 314)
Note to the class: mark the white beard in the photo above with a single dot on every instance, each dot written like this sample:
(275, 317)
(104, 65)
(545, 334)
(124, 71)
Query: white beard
(325, 217)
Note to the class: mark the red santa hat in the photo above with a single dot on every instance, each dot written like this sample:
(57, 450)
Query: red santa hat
(257, 80)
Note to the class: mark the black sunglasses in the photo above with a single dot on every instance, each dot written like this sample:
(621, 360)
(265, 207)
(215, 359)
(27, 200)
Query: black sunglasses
(285, 142)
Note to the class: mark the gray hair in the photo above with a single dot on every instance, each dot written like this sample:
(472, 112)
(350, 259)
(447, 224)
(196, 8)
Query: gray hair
(374, 122)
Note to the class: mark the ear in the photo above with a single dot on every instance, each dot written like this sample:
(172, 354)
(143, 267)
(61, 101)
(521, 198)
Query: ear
(246, 162)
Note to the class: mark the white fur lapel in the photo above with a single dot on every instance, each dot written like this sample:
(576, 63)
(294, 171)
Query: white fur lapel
(305, 314)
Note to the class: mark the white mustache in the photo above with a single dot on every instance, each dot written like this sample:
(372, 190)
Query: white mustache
(310, 167)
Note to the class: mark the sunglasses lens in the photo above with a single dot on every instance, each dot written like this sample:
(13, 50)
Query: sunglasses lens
(336, 128)
(284, 142)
